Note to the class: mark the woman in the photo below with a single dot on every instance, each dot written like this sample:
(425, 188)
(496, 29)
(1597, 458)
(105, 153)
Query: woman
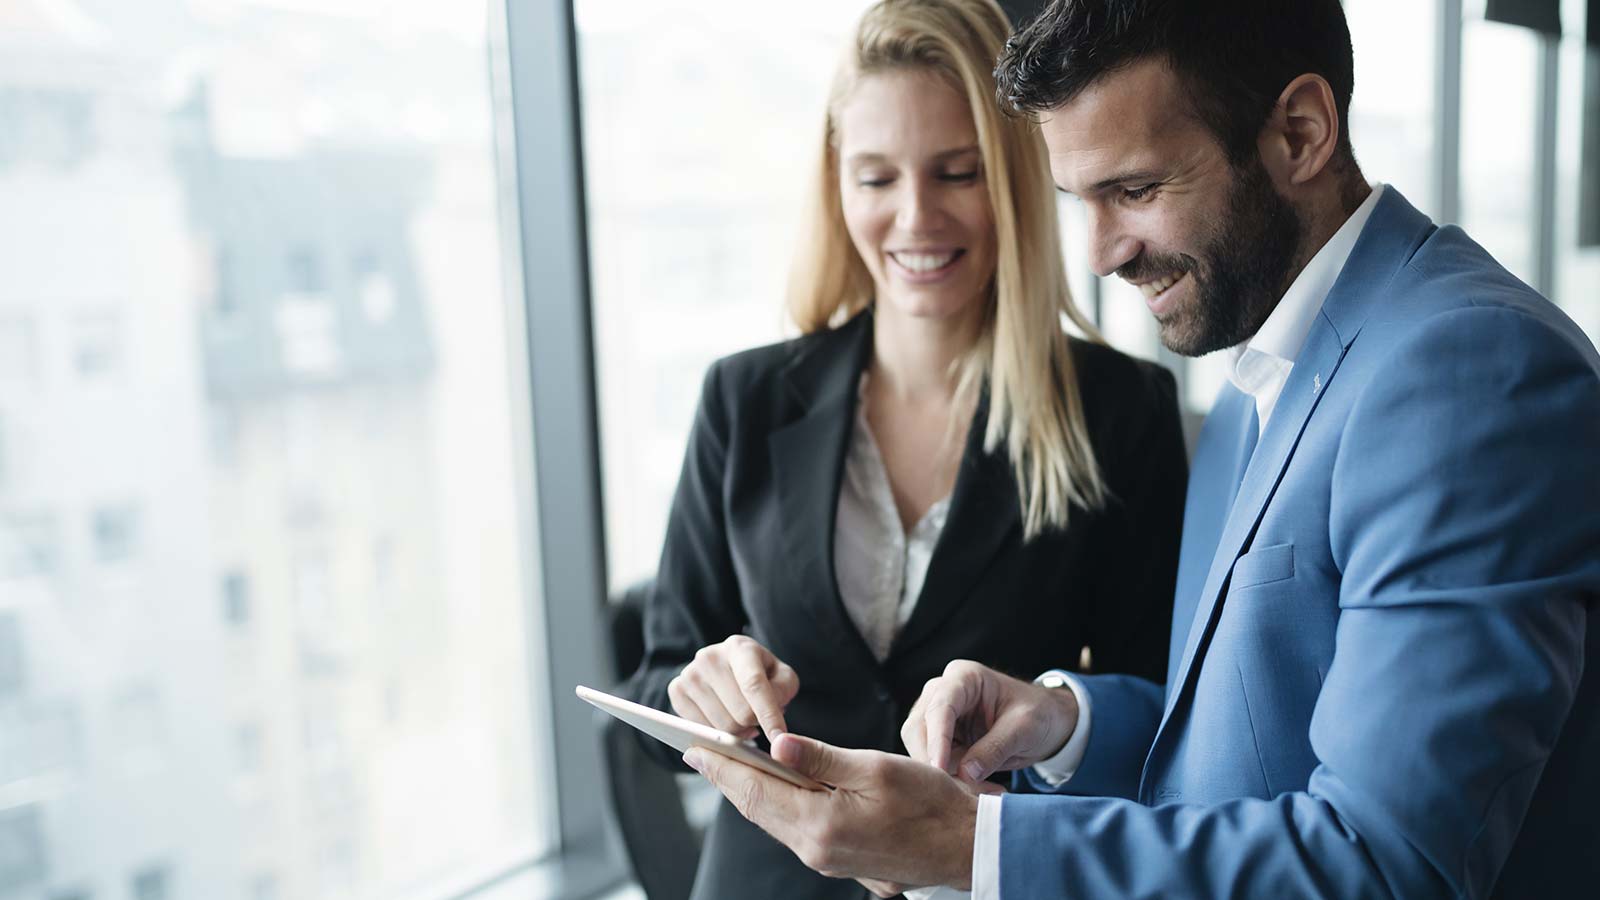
(934, 471)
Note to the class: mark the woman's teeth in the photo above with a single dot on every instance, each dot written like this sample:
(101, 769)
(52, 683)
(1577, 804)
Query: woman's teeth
(1152, 288)
(924, 262)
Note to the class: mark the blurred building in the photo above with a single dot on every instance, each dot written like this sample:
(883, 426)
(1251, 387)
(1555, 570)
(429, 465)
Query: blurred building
(234, 475)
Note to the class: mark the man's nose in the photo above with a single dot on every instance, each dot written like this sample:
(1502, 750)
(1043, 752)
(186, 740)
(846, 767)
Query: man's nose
(1110, 246)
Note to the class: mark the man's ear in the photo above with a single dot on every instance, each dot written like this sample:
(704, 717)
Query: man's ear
(1303, 132)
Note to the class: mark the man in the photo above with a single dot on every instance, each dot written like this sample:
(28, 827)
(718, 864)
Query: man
(1391, 553)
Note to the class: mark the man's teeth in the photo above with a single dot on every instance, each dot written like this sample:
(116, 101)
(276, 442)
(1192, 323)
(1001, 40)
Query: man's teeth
(1152, 288)
(924, 262)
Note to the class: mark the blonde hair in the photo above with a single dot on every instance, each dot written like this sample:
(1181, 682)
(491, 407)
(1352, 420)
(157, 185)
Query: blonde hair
(1022, 350)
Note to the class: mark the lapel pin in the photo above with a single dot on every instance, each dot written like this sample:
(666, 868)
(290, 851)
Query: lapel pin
(1316, 383)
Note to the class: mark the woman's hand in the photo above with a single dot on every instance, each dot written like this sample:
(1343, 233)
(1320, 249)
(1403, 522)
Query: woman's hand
(735, 686)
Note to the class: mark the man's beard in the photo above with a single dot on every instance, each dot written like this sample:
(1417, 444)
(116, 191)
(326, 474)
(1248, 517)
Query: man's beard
(1248, 259)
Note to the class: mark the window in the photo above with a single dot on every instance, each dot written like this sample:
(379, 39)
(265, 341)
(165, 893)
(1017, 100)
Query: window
(29, 545)
(691, 231)
(19, 353)
(247, 741)
(1499, 128)
(1577, 256)
(305, 271)
(22, 848)
(10, 655)
(96, 344)
(1391, 112)
(236, 598)
(5, 459)
(295, 207)
(116, 533)
(138, 721)
(263, 887)
(153, 883)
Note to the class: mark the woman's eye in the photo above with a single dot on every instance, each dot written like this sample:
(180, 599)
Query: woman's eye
(960, 177)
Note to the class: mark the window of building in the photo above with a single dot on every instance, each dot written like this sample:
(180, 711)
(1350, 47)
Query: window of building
(236, 598)
(138, 720)
(97, 344)
(116, 533)
(247, 742)
(29, 545)
(305, 275)
(22, 848)
(152, 883)
(263, 887)
(11, 680)
(19, 351)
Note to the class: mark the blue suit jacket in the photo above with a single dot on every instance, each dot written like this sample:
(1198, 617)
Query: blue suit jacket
(1377, 684)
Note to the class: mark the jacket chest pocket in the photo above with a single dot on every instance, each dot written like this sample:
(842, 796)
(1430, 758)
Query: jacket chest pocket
(1281, 642)
(1263, 565)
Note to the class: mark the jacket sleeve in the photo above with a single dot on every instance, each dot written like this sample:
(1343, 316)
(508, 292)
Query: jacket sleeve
(695, 601)
(1465, 516)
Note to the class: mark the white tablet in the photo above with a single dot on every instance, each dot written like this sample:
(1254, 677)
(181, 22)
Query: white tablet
(682, 734)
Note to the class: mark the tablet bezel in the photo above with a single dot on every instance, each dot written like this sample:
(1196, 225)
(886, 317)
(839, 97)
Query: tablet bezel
(681, 734)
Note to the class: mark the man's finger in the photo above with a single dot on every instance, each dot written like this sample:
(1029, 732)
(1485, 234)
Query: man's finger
(750, 674)
(823, 762)
(939, 733)
(994, 749)
(759, 797)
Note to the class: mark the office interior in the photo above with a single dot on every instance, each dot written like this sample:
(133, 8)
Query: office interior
(348, 351)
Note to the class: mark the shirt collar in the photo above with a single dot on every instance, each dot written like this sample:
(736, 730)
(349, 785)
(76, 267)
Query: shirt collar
(1280, 338)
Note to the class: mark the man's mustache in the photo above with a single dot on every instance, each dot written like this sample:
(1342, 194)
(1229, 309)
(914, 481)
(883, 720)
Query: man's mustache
(1149, 266)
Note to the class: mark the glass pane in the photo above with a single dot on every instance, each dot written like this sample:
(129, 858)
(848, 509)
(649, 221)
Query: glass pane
(1499, 128)
(1578, 177)
(263, 607)
(1392, 109)
(700, 120)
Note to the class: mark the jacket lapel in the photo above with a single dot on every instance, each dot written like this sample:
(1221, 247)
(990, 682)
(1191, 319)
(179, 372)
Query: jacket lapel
(1314, 368)
(808, 462)
(984, 511)
(1391, 236)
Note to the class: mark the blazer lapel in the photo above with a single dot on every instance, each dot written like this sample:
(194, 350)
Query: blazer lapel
(984, 510)
(1391, 236)
(808, 462)
(1314, 368)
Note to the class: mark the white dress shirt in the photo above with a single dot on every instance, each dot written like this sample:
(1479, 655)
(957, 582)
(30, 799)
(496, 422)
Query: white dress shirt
(880, 568)
(1261, 367)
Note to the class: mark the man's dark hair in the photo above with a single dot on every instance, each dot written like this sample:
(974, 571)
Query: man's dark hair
(1235, 57)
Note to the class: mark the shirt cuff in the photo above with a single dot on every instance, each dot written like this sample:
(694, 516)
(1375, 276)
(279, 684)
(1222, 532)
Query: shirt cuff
(986, 849)
(1056, 770)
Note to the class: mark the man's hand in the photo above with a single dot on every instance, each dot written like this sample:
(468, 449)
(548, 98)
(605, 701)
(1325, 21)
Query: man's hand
(889, 822)
(973, 721)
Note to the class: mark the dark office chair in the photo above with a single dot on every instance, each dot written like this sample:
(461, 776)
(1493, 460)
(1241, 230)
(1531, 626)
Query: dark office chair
(661, 846)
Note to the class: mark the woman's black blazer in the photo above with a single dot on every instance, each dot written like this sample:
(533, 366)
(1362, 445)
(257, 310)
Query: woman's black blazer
(749, 549)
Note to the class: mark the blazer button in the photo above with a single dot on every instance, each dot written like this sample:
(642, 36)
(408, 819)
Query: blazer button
(883, 694)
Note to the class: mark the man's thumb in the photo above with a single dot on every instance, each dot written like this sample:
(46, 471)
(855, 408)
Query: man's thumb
(984, 757)
(823, 762)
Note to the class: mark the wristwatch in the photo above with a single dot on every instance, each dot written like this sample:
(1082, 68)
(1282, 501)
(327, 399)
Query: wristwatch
(1052, 679)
